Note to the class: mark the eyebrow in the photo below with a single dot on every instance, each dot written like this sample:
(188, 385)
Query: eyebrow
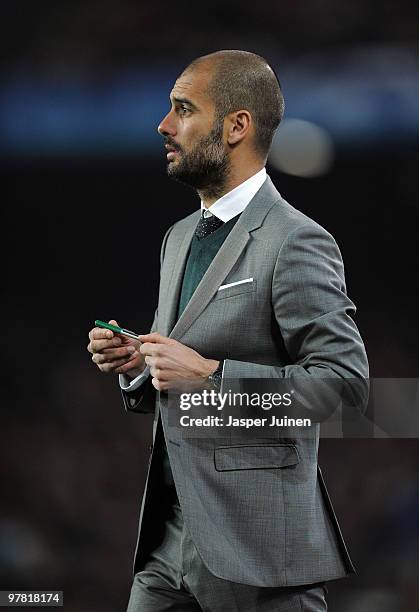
(185, 101)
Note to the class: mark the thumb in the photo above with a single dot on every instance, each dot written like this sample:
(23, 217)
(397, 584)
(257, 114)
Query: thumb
(122, 338)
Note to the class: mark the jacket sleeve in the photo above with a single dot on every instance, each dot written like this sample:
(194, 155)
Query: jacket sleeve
(314, 316)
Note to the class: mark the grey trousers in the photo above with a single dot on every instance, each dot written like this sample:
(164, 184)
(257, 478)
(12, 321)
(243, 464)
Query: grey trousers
(175, 578)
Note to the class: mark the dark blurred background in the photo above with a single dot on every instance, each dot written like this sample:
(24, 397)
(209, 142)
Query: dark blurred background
(83, 87)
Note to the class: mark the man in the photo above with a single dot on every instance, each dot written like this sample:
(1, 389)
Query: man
(249, 289)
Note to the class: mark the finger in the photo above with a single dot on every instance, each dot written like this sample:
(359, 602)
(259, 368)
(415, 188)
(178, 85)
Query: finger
(123, 369)
(100, 345)
(123, 350)
(123, 338)
(110, 355)
(98, 332)
(98, 358)
(161, 385)
(148, 348)
(97, 346)
(156, 384)
(155, 337)
(159, 374)
(112, 367)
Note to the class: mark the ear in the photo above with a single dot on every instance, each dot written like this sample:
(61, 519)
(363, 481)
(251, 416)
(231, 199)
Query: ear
(238, 126)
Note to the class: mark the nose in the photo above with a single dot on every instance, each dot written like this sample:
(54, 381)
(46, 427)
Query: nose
(167, 126)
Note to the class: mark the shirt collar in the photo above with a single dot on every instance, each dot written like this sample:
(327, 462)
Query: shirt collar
(235, 201)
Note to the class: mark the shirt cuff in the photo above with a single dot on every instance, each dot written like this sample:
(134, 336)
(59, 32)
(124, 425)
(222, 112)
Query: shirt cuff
(131, 385)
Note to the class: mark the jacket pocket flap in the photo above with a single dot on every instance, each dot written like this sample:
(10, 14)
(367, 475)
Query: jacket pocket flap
(255, 457)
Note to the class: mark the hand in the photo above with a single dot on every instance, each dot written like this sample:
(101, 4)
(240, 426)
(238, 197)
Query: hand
(112, 352)
(171, 362)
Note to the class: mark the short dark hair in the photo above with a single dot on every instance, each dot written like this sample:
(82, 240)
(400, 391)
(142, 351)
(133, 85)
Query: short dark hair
(244, 80)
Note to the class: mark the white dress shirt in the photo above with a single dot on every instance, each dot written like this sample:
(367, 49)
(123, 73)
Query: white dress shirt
(225, 208)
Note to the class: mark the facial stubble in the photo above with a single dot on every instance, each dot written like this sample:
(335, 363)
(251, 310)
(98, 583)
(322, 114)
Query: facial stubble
(206, 167)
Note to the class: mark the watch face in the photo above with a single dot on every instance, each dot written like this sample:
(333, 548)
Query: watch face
(216, 377)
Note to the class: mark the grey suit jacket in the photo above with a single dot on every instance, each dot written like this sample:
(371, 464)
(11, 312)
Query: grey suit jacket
(257, 511)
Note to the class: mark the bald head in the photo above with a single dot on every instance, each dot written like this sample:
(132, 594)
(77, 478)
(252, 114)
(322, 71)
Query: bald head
(240, 80)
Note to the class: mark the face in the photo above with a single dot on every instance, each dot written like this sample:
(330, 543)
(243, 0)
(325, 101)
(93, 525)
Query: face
(194, 135)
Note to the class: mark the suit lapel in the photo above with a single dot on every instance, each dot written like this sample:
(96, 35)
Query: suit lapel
(251, 218)
(212, 279)
(168, 306)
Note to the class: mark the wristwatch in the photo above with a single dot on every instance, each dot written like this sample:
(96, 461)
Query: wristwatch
(216, 377)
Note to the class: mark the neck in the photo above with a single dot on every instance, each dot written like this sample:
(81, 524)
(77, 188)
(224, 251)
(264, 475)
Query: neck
(236, 177)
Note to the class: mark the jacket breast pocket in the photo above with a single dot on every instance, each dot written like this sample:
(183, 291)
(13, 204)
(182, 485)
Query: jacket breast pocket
(255, 457)
(232, 289)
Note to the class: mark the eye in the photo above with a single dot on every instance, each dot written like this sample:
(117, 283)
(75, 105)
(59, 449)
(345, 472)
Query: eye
(183, 110)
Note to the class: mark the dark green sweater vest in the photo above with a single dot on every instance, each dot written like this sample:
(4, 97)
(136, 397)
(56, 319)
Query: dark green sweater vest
(201, 254)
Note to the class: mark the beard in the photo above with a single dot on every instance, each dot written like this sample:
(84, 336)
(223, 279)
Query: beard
(206, 167)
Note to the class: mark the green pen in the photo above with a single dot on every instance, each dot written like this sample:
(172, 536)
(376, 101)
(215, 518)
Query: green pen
(118, 330)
